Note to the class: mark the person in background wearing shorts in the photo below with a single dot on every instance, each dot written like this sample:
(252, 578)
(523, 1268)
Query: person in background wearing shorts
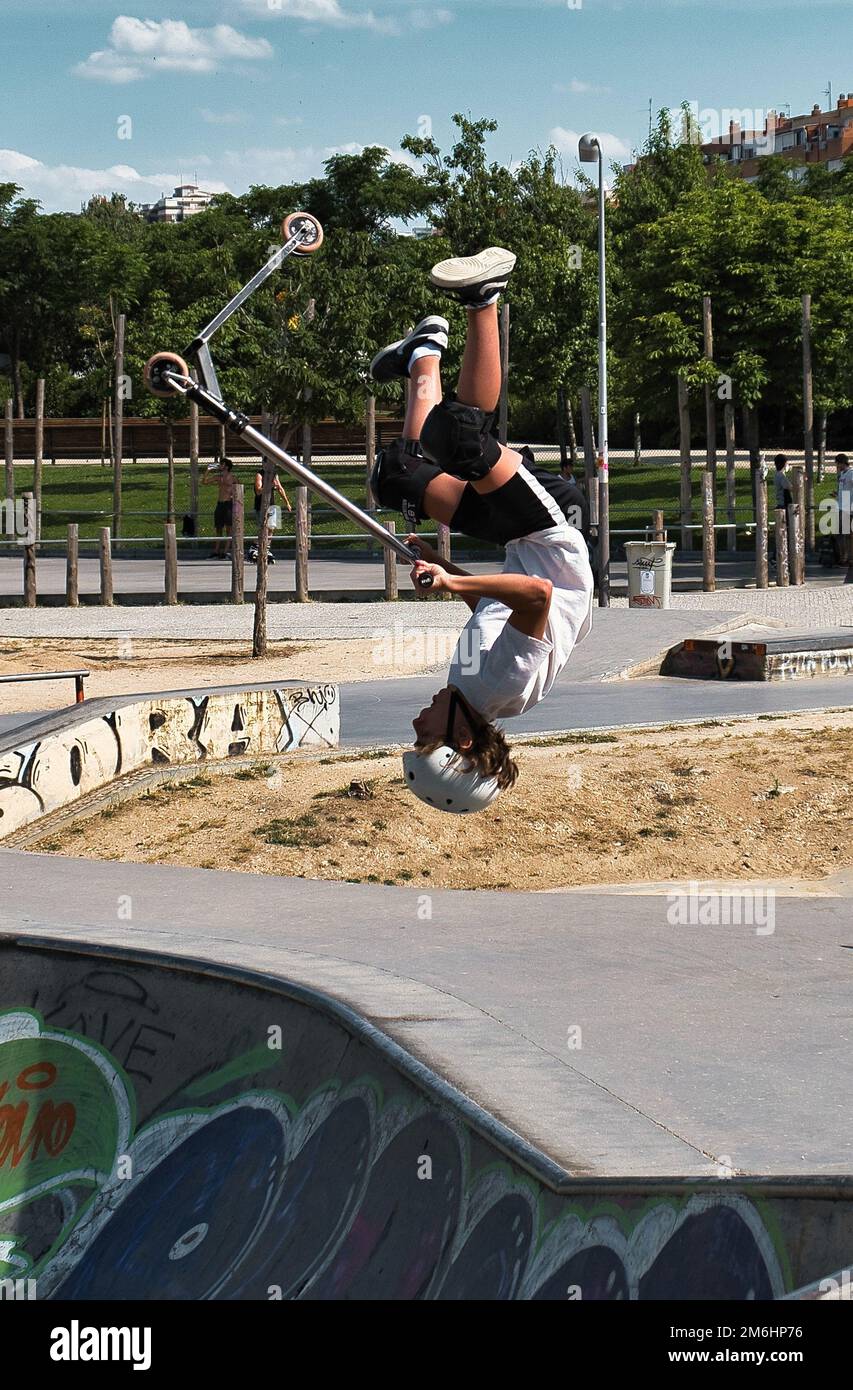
(223, 514)
(844, 473)
(449, 467)
(277, 490)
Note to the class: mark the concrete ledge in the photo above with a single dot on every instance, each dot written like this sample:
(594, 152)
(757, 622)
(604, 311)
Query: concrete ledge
(756, 655)
(55, 762)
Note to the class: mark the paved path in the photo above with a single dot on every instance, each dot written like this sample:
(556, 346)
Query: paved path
(620, 637)
(586, 696)
(813, 606)
(208, 579)
(616, 1042)
(380, 715)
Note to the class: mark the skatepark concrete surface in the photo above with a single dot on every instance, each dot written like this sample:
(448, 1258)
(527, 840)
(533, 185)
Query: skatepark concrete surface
(340, 1091)
(698, 1045)
(211, 1131)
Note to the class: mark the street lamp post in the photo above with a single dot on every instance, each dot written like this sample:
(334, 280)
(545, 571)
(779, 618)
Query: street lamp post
(590, 152)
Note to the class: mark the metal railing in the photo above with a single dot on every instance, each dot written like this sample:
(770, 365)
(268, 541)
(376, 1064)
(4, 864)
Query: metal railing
(78, 677)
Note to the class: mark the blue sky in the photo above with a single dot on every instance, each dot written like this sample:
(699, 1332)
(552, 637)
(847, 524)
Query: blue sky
(261, 91)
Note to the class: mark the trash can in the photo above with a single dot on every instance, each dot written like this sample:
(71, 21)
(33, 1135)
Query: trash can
(649, 573)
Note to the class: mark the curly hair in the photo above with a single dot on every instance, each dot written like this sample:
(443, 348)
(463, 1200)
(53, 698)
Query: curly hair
(489, 752)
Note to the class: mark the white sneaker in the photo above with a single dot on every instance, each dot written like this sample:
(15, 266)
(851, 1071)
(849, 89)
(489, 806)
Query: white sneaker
(475, 280)
(396, 359)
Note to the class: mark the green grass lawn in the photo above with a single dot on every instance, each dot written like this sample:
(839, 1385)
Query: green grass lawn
(84, 494)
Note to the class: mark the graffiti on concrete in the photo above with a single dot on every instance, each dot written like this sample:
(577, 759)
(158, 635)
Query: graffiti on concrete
(53, 772)
(143, 1155)
(792, 666)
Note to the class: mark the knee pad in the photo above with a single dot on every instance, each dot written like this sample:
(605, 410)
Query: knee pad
(400, 478)
(457, 438)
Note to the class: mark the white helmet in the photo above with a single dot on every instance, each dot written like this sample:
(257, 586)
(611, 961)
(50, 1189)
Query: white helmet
(441, 780)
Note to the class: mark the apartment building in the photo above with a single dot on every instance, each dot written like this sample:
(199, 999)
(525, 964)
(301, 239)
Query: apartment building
(187, 200)
(822, 137)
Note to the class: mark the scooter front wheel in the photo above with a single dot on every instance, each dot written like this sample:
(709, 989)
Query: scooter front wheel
(310, 228)
(155, 368)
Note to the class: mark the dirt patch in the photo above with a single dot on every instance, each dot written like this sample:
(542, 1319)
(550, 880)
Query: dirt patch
(765, 799)
(127, 666)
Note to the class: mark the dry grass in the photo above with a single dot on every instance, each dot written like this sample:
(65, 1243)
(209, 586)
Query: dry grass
(745, 801)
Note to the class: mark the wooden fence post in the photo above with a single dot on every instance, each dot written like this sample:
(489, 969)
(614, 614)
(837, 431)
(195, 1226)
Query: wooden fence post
(259, 627)
(303, 545)
(590, 473)
(443, 547)
(118, 423)
(30, 598)
(821, 445)
(170, 471)
(503, 418)
(561, 426)
(570, 426)
(106, 556)
(796, 530)
(38, 456)
(72, 590)
(194, 464)
(761, 563)
(783, 578)
(369, 462)
(686, 460)
(658, 531)
(369, 450)
(731, 476)
(808, 426)
(238, 538)
(9, 438)
(710, 407)
(709, 554)
(392, 590)
(308, 461)
(170, 551)
(756, 464)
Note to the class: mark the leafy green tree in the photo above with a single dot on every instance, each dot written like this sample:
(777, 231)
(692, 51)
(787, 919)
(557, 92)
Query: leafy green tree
(553, 297)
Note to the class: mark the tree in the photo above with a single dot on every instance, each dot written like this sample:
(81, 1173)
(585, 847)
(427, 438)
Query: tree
(553, 297)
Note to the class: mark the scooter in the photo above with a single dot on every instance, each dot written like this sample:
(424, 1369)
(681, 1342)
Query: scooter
(168, 374)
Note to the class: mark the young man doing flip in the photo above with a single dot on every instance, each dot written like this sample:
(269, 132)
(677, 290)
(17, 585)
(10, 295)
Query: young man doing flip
(450, 468)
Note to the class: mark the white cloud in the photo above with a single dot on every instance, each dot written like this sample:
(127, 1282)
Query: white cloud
(577, 87)
(223, 117)
(138, 48)
(566, 142)
(63, 187)
(333, 14)
(289, 163)
(329, 12)
(430, 19)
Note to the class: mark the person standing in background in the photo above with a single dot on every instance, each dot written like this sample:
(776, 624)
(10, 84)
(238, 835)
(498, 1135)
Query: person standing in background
(844, 472)
(223, 515)
(784, 491)
(277, 489)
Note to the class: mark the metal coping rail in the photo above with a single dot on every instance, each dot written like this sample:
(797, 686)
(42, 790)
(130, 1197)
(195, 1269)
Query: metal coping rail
(78, 677)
